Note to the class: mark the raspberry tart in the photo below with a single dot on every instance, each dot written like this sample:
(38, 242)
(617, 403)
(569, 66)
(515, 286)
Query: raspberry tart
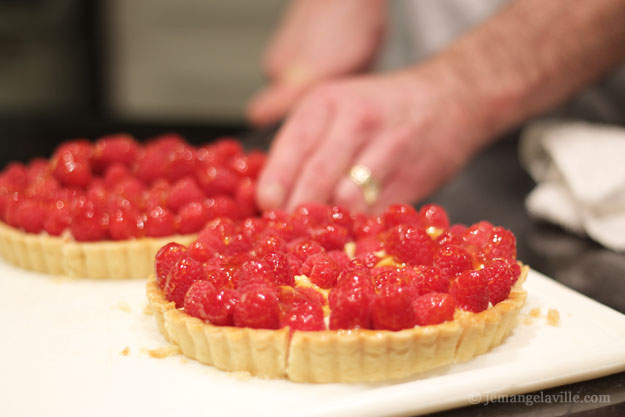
(103, 209)
(323, 296)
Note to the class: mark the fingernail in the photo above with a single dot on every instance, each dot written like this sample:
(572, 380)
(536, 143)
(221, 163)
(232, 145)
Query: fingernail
(272, 196)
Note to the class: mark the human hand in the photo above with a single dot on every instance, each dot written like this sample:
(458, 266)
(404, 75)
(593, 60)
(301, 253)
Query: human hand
(316, 40)
(410, 130)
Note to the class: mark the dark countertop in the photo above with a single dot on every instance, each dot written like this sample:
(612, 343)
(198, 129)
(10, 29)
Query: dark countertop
(492, 187)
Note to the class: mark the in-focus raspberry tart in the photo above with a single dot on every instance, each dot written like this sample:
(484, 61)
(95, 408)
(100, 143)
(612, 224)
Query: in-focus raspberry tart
(321, 295)
(103, 209)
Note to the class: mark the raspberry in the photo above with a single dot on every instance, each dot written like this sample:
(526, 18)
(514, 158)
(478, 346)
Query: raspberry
(245, 197)
(199, 252)
(181, 161)
(324, 271)
(429, 279)
(364, 226)
(255, 272)
(470, 291)
(311, 215)
(222, 206)
(386, 275)
(160, 222)
(258, 308)
(340, 257)
(299, 310)
(303, 248)
(501, 244)
(252, 227)
(501, 274)
(248, 165)
(70, 164)
(342, 217)
(434, 215)
(452, 260)
(220, 275)
(279, 262)
(217, 234)
(114, 174)
(210, 304)
(269, 243)
(157, 195)
(193, 217)
(217, 180)
(397, 214)
(114, 149)
(184, 273)
(350, 302)
(16, 174)
(31, 215)
(126, 224)
(392, 309)
(357, 265)
(448, 238)
(331, 237)
(295, 264)
(275, 215)
(477, 235)
(433, 308)
(88, 221)
(368, 245)
(44, 188)
(166, 259)
(410, 245)
(183, 192)
(58, 219)
(227, 148)
(150, 164)
(368, 259)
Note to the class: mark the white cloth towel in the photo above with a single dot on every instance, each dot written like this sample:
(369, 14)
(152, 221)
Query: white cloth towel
(580, 173)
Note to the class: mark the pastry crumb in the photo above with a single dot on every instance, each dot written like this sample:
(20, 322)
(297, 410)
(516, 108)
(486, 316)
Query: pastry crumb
(528, 321)
(163, 352)
(242, 376)
(147, 310)
(123, 306)
(125, 351)
(535, 312)
(184, 360)
(553, 317)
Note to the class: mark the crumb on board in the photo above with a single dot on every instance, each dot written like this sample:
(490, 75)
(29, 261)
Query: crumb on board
(184, 360)
(528, 321)
(163, 352)
(123, 306)
(125, 351)
(553, 317)
(535, 312)
(147, 310)
(241, 375)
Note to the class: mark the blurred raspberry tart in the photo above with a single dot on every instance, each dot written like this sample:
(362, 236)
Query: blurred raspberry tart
(323, 296)
(103, 209)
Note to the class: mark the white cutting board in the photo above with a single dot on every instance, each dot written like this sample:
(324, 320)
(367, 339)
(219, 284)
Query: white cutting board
(61, 343)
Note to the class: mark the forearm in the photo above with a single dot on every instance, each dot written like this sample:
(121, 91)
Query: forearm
(531, 56)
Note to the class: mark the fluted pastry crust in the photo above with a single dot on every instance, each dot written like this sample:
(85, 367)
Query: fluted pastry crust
(343, 355)
(65, 256)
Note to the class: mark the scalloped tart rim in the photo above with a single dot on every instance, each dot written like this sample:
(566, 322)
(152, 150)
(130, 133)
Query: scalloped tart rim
(338, 355)
(65, 256)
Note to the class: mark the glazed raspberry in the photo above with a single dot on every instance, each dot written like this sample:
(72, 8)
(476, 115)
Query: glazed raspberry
(31, 215)
(434, 215)
(217, 234)
(253, 273)
(252, 227)
(340, 257)
(114, 149)
(275, 215)
(397, 214)
(184, 273)
(428, 279)
(299, 310)
(126, 224)
(199, 252)
(166, 259)
(217, 180)
(226, 149)
(245, 197)
(160, 222)
(193, 217)
(207, 303)
(295, 263)
(501, 244)
(43, 188)
(268, 243)
(70, 164)
(89, 223)
(331, 237)
(114, 174)
(58, 219)
(410, 244)
(368, 245)
(150, 164)
(279, 262)
(364, 226)
(181, 161)
(433, 308)
(183, 192)
(157, 195)
(342, 217)
(222, 206)
(452, 260)
(470, 291)
(16, 174)
(311, 215)
(324, 271)
(303, 248)
(392, 309)
(350, 301)
(448, 238)
(248, 165)
(386, 275)
(501, 275)
(357, 265)
(368, 259)
(477, 235)
(258, 308)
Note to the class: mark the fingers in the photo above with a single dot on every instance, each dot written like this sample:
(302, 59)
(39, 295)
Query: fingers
(333, 155)
(273, 103)
(290, 148)
(383, 156)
